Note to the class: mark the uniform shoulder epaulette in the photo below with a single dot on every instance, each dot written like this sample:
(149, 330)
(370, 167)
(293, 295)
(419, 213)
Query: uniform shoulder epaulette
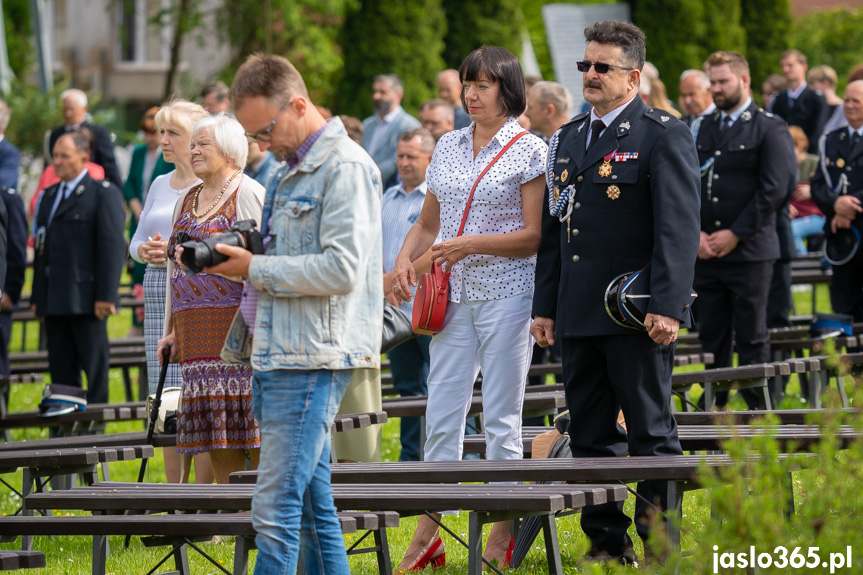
(659, 116)
(106, 184)
(573, 120)
(771, 115)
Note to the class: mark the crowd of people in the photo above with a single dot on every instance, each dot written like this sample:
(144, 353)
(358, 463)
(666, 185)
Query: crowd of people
(534, 213)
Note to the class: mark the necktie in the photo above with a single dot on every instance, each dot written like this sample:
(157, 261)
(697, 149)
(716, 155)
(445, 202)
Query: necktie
(596, 128)
(726, 123)
(855, 138)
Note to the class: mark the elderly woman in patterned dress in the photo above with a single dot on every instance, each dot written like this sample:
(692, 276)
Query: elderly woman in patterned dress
(491, 286)
(216, 411)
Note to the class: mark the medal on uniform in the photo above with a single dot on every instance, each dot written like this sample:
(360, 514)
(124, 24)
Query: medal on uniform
(605, 167)
(840, 163)
(564, 175)
(613, 192)
(556, 193)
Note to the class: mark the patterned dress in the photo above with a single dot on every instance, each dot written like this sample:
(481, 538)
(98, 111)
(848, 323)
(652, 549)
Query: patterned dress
(216, 408)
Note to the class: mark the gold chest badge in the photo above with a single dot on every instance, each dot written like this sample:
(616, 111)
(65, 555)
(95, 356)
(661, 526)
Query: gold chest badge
(605, 169)
(613, 192)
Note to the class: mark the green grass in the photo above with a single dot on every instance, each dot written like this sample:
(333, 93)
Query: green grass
(72, 555)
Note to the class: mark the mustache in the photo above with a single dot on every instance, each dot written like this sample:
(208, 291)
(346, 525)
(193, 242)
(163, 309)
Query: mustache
(592, 84)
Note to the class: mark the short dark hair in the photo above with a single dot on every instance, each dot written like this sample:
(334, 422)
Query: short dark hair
(735, 61)
(80, 139)
(394, 82)
(268, 76)
(427, 140)
(628, 37)
(220, 89)
(501, 66)
(354, 128)
(796, 54)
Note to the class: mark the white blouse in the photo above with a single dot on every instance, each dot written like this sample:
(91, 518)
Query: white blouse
(496, 207)
(158, 213)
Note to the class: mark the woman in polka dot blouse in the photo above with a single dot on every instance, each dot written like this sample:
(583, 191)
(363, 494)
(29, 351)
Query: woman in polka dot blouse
(492, 281)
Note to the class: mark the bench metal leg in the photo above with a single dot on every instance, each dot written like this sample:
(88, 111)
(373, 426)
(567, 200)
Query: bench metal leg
(675, 504)
(27, 489)
(552, 546)
(474, 544)
(241, 555)
(789, 485)
(100, 554)
(382, 545)
(709, 399)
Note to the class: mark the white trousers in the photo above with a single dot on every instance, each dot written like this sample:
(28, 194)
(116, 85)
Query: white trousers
(492, 335)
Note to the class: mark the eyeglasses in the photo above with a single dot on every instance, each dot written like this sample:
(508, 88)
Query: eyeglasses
(265, 135)
(600, 67)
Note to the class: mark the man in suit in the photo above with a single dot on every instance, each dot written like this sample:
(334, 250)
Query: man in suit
(79, 256)
(695, 97)
(449, 90)
(623, 193)
(800, 105)
(75, 117)
(382, 130)
(837, 189)
(15, 236)
(745, 154)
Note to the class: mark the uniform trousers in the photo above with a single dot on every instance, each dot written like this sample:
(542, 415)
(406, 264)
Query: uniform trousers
(732, 308)
(603, 375)
(492, 335)
(75, 343)
(846, 289)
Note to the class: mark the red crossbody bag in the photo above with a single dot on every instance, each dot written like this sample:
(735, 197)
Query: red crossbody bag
(433, 288)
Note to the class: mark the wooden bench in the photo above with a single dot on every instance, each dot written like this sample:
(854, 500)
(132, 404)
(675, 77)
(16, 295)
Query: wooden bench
(486, 503)
(180, 530)
(538, 403)
(12, 560)
(77, 422)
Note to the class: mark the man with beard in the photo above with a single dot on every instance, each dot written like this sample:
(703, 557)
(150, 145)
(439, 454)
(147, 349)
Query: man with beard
(623, 183)
(390, 121)
(745, 156)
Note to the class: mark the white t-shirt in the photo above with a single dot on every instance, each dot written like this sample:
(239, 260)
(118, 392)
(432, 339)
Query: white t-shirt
(158, 213)
(496, 207)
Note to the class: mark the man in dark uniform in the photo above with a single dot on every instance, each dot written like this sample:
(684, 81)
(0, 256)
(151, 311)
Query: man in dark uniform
(801, 105)
(745, 157)
(79, 256)
(15, 237)
(623, 193)
(837, 189)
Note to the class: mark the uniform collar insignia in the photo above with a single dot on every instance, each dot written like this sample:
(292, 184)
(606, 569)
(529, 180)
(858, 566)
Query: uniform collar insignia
(664, 118)
(80, 189)
(717, 115)
(842, 135)
(746, 116)
(580, 127)
(563, 160)
(623, 128)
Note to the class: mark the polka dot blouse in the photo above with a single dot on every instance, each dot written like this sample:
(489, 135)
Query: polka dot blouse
(496, 207)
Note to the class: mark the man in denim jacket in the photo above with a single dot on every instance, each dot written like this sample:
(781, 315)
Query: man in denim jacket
(319, 309)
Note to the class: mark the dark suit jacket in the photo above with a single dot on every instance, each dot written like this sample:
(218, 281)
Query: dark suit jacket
(749, 181)
(839, 158)
(102, 152)
(810, 112)
(654, 219)
(79, 258)
(16, 225)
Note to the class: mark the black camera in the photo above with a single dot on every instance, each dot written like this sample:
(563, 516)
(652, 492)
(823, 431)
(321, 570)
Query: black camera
(199, 255)
(171, 422)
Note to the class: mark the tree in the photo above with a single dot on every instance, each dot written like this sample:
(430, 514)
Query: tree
(19, 36)
(472, 23)
(831, 37)
(303, 31)
(767, 24)
(675, 31)
(723, 29)
(382, 37)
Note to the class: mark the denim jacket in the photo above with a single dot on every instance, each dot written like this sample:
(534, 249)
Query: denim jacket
(321, 300)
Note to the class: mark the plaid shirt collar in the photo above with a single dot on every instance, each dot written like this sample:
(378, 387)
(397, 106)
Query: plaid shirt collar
(294, 159)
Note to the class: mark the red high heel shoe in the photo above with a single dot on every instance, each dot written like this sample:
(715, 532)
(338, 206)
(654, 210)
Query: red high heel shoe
(426, 560)
(509, 551)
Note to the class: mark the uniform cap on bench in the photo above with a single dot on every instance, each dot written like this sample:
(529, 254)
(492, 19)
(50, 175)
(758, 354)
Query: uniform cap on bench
(59, 399)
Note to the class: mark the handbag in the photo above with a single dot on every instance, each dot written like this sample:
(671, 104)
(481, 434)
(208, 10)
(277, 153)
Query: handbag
(397, 327)
(166, 421)
(432, 293)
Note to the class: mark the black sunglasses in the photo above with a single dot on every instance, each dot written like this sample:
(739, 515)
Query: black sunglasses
(600, 67)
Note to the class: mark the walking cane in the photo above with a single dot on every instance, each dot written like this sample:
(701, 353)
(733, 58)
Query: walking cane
(154, 414)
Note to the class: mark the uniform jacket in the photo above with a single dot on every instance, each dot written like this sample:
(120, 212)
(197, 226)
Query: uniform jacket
(16, 222)
(384, 153)
(839, 158)
(748, 181)
(654, 219)
(810, 111)
(79, 258)
(102, 152)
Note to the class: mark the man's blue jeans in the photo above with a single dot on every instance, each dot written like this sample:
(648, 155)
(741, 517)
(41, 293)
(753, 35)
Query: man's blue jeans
(409, 363)
(804, 227)
(293, 504)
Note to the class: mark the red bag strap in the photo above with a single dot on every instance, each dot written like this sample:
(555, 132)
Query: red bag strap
(473, 189)
(476, 183)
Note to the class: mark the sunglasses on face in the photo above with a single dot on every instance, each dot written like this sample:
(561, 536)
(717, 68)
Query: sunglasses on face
(600, 67)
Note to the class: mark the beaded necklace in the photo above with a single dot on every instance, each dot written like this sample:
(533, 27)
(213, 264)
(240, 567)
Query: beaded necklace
(215, 202)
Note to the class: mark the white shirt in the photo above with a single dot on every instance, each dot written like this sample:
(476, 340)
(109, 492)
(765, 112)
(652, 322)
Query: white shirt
(496, 207)
(794, 94)
(157, 217)
(399, 212)
(607, 119)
